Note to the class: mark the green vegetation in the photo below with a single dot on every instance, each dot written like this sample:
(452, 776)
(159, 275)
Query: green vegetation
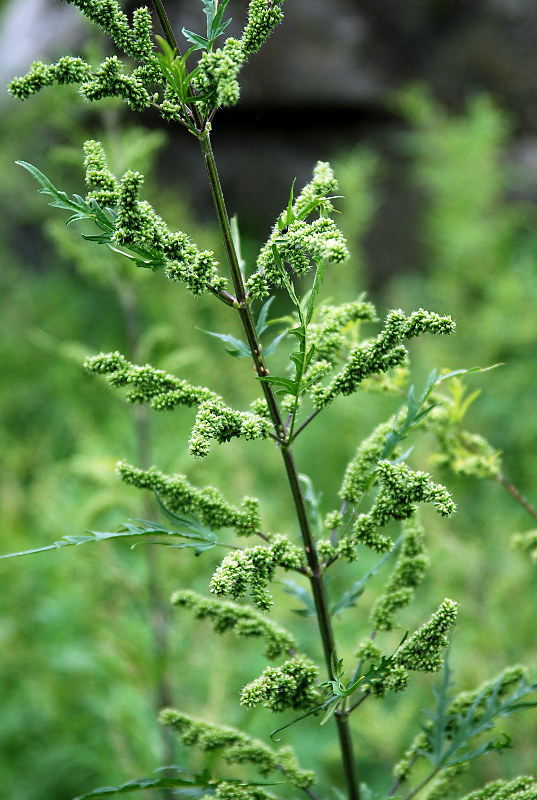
(93, 649)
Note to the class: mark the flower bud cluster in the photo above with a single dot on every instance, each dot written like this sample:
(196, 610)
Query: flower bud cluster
(400, 490)
(214, 420)
(234, 791)
(237, 747)
(328, 335)
(108, 80)
(290, 686)
(445, 783)
(422, 652)
(464, 452)
(322, 184)
(217, 75)
(207, 504)
(527, 542)
(67, 70)
(361, 469)
(301, 244)
(407, 575)
(299, 247)
(101, 182)
(107, 15)
(244, 621)
(522, 788)
(253, 569)
(263, 16)
(381, 354)
(139, 226)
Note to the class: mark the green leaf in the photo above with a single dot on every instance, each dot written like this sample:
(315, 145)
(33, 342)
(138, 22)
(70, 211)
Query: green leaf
(197, 786)
(200, 41)
(348, 598)
(236, 238)
(303, 596)
(261, 324)
(199, 535)
(60, 199)
(235, 347)
(274, 345)
(312, 502)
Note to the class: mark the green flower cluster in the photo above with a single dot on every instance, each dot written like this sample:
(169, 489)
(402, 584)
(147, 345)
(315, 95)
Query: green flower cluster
(300, 244)
(101, 182)
(527, 542)
(216, 75)
(463, 452)
(107, 15)
(381, 354)
(422, 652)
(263, 16)
(253, 569)
(244, 621)
(290, 686)
(67, 70)
(328, 336)
(407, 575)
(234, 791)
(445, 783)
(401, 488)
(237, 747)
(108, 80)
(214, 420)
(522, 788)
(361, 469)
(135, 225)
(207, 504)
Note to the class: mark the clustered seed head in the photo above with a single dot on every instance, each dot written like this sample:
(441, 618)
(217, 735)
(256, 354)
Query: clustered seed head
(464, 452)
(382, 353)
(214, 420)
(253, 569)
(236, 747)
(522, 788)
(244, 621)
(217, 76)
(301, 244)
(207, 504)
(401, 488)
(328, 335)
(263, 16)
(290, 686)
(422, 652)
(361, 468)
(101, 182)
(408, 573)
(527, 542)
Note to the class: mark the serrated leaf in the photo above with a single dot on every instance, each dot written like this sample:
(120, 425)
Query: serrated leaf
(277, 380)
(60, 199)
(200, 536)
(199, 41)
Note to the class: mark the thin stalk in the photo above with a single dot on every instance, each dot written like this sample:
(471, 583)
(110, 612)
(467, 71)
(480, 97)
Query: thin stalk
(398, 781)
(245, 314)
(423, 784)
(315, 570)
(515, 494)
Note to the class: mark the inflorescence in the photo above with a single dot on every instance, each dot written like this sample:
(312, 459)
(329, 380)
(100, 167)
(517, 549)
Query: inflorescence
(215, 421)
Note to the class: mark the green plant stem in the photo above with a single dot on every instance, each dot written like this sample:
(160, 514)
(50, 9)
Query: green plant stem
(423, 784)
(398, 781)
(244, 311)
(315, 570)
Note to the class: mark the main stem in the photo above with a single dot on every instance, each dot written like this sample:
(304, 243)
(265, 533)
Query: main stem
(315, 572)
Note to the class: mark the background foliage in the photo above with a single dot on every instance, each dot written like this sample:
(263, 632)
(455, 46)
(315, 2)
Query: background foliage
(90, 648)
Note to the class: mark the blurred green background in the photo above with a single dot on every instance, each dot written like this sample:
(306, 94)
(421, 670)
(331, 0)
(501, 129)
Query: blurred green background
(90, 649)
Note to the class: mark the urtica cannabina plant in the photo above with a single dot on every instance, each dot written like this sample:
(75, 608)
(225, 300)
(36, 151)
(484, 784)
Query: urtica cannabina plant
(377, 488)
